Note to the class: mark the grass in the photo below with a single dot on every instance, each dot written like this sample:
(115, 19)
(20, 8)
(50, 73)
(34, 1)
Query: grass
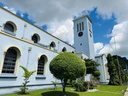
(104, 90)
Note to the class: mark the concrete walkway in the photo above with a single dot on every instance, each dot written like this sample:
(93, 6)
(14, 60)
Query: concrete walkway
(126, 93)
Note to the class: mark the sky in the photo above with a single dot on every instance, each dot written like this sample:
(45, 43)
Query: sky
(109, 19)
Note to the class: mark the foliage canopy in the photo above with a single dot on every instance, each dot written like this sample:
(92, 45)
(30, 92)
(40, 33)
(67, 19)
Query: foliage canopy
(67, 66)
(113, 69)
(91, 66)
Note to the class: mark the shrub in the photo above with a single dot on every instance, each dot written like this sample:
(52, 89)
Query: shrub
(91, 85)
(86, 84)
(55, 84)
(71, 83)
(79, 86)
(83, 86)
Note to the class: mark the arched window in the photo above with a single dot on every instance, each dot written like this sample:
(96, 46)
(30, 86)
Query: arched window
(35, 38)
(64, 49)
(41, 63)
(9, 27)
(52, 45)
(9, 61)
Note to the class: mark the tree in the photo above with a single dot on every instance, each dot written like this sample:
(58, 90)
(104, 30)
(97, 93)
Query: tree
(67, 66)
(26, 76)
(122, 61)
(113, 71)
(122, 67)
(91, 66)
(118, 70)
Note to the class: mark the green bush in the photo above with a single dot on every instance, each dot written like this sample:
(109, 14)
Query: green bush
(91, 85)
(79, 86)
(86, 84)
(71, 83)
(83, 86)
(55, 84)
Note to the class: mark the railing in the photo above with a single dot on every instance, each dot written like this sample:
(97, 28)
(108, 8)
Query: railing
(9, 32)
(46, 46)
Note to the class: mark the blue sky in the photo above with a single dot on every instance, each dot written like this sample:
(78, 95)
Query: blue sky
(109, 18)
(101, 27)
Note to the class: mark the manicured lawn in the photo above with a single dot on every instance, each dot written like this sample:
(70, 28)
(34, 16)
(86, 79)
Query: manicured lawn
(104, 90)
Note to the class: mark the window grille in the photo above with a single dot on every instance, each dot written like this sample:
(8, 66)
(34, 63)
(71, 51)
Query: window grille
(41, 63)
(9, 61)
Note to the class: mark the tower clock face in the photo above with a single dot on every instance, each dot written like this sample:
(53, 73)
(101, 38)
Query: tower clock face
(80, 34)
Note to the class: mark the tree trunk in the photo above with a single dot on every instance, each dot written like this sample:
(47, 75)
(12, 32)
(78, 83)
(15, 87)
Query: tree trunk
(64, 81)
(63, 93)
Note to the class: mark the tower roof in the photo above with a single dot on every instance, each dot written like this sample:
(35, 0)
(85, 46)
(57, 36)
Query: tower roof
(83, 17)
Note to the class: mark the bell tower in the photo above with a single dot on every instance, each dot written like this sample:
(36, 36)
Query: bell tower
(83, 36)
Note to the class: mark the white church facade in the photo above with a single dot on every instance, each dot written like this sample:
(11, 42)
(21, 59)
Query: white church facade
(24, 44)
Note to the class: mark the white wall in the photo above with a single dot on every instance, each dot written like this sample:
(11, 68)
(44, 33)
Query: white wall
(23, 44)
(104, 75)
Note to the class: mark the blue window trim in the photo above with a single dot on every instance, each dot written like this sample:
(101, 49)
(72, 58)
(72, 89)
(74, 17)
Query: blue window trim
(9, 32)
(40, 77)
(8, 76)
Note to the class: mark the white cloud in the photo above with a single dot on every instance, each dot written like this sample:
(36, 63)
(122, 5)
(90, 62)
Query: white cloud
(98, 46)
(108, 8)
(49, 11)
(119, 41)
(63, 30)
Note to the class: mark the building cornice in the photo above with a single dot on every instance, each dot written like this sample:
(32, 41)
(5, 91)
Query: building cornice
(26, 41)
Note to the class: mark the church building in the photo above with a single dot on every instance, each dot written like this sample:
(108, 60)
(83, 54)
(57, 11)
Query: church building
(24, 44)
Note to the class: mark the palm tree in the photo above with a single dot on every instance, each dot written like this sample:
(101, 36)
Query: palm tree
(26, 76)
